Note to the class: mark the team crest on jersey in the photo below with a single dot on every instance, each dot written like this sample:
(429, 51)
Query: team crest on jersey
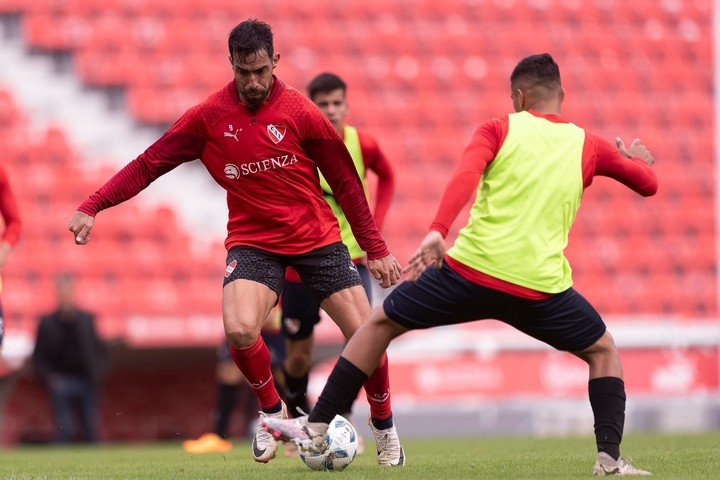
(292, 325)
(230, 268)
(276, 133)
(231, 171)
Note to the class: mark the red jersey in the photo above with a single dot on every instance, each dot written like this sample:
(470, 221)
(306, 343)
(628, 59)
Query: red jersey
(599, 157)
(9, 211)
(267, 161)
(375, 161)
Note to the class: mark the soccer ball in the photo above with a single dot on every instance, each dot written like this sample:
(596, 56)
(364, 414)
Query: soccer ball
(342, 443)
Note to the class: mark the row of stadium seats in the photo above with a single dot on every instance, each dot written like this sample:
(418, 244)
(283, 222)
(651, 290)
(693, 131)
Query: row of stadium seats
(475, 9)
(140, 263)
(422, 76)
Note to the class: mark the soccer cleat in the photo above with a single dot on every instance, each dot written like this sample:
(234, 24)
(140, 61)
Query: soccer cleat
(309, 437)
(606, 465)
(207, 443)
(264, 445)
(390, 452)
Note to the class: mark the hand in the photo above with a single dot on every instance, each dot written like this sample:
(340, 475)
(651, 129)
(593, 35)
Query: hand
(637, 149)
(387, 270)
(431, 249)
(80, 225)
(4, 253)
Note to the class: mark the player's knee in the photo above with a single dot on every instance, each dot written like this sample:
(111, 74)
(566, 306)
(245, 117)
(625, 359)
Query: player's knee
(241, 336)
(603, 349)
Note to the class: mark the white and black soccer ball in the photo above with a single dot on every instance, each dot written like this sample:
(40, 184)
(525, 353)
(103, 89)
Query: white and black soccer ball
(342, 440)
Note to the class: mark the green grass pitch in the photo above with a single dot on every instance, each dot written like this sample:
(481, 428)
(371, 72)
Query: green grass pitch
(667, 456)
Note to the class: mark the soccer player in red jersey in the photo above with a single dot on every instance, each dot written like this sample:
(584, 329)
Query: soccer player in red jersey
(528, 171)
(11, 235)
(300, 312)
(263, 142)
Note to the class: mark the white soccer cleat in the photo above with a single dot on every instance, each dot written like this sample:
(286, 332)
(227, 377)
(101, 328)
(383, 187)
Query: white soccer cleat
(264, 445)
(390, 452)
(309, 437)
(606, 465)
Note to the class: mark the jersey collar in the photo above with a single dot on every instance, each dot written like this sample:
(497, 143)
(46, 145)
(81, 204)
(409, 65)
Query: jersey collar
(548, 116)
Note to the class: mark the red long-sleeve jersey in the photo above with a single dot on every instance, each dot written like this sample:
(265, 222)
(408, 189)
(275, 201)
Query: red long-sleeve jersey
(9, 211)
(375, 161)
(599, 157)
(266, 160)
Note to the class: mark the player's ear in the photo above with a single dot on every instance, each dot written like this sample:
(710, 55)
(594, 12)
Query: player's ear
(562, 94)
(276, 59)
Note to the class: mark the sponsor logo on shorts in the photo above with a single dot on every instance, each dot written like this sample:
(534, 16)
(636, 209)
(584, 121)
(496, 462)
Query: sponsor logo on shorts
(292, 325)
(231, 171)
(276, 133)
(230, 268)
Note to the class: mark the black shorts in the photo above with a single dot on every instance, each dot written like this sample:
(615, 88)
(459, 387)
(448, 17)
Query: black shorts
(565, 321)
(300, 313)
(323, 271)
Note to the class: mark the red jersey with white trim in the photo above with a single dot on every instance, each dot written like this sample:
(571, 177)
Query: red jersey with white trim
(267, 161)
(599, 157)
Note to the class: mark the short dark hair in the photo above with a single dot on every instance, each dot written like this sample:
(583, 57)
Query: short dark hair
(250, 37)
(537, 70)
(324, 83)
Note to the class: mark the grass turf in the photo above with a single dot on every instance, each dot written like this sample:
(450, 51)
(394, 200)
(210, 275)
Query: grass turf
(667, 456)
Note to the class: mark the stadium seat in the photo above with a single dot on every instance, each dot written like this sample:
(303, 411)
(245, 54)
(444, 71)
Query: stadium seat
(423, 75)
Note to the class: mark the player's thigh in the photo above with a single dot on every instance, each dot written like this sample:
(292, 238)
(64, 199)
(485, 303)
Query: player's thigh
(333, 280)
(300, 312)
(440, 297)
(348, 308)
(252, 284)
(566, 321)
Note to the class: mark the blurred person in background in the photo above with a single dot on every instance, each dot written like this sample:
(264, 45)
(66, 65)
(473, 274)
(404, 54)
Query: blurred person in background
(69, 360)
(300, 313)
(263, 142)
(10, 234)
(233, 392)
(528, 171)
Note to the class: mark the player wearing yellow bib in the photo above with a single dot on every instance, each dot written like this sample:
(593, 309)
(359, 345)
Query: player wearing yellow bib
(528, 171)
(300, 312)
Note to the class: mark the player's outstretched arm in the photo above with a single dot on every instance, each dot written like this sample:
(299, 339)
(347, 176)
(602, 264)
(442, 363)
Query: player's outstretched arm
(80, 225)
(431, 249)
(630, 166)
(387, 270)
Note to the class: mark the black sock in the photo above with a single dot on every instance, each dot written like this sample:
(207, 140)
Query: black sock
(274, 409)
(227, 398)
(607, 399)
(342, 387)
(296, 394)
(383, 424)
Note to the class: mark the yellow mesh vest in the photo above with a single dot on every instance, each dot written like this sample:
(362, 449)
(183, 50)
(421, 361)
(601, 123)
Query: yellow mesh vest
(352, 142)
(525, 206)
